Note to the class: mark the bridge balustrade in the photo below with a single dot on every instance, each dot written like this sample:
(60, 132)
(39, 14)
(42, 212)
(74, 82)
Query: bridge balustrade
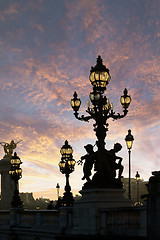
(131, 221)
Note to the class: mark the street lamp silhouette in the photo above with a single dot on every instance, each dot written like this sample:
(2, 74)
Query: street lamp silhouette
(58, 187)
(16, 174)
(100, 110)
(66, 166)
(129, 141)
(137, 178)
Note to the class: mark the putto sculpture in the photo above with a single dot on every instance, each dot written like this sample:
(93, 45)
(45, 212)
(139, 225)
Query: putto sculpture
(100, 110)
(89, 162)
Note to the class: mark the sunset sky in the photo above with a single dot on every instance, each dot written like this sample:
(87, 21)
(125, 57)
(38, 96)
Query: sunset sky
(46, 51)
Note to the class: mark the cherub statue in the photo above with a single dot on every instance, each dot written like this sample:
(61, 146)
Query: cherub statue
(8, 148)
(89, 161)
(113, 157)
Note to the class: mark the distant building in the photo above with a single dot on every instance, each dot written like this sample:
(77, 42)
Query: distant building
(28, 200)
(30, 203)
(41, 203)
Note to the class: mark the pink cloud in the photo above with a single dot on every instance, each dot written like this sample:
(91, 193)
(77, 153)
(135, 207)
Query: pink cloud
(12, 9)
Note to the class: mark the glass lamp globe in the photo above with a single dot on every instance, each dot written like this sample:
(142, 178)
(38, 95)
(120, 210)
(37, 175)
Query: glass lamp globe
(129, 140)
(15, 160)
(125, 99)
(99, 75)
(137, 176)
(66, 150)
(95, 97)
(62, 165)
(57, 186)
(71, 164)
(75, 102)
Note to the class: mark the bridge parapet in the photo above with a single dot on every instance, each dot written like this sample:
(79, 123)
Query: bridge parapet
(131, 221)
(48, 224)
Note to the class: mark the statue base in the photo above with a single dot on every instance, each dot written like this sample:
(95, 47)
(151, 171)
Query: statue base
(87, 212)
(7, 184)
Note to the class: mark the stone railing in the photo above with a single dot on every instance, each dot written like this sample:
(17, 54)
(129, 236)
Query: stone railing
(32, 218)
(128, 221)
(131, 221)
(4, 217)
(29, 224)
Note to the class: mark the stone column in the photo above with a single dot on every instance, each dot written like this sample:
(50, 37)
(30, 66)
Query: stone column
(7, 184)
(154, 206)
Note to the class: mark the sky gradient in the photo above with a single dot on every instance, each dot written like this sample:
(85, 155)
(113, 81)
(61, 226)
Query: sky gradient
(46, 51)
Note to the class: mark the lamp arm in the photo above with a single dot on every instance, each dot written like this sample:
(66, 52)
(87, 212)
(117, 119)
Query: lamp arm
(82, 117)
(117, 116)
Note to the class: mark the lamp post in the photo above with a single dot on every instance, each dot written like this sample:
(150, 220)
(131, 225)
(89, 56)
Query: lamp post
(99, 108)
(129, 141)
(16, 174)
(137, 179)
(58, 187)
(66, 166)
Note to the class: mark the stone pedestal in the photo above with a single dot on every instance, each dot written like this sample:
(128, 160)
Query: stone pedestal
(86, 211)
(7, 184)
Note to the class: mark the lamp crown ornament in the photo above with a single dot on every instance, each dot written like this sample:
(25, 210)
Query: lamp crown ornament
(99, 66)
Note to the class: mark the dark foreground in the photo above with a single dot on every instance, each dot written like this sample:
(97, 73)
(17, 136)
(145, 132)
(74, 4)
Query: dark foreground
(99, 238)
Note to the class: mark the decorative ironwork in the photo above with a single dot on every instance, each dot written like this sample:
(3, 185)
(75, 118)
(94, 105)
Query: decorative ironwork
(100, 110)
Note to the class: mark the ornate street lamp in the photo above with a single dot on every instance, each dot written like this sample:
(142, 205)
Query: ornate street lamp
(129, 141)
(138, 203)
(16, 174)
(137, 176)
(58, 187)
(100, 109)
(66, 166)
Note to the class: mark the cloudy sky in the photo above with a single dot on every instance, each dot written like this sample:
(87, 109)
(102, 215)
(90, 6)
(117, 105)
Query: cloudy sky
(46, 51)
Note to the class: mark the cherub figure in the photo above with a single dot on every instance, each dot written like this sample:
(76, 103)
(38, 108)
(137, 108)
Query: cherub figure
(89, 161)
(112, 159)
(8, 148)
